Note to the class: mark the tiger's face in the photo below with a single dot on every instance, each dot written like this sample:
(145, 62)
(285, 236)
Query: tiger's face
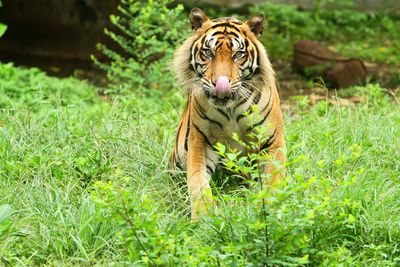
(224, 55)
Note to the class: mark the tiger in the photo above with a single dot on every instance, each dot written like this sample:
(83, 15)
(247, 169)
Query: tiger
(225, 71)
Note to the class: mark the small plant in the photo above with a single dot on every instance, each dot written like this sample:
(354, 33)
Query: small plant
(148, 33)
(289, 224)
(142, 232)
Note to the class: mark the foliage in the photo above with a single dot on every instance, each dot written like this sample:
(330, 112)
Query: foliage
(368, 35)
(142, 232)
(72, 161)
(292, 223)
(148, 33)
(5, 212)
(3, 29)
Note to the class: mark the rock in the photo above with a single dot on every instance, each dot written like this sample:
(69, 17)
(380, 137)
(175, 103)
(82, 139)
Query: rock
(314, 60)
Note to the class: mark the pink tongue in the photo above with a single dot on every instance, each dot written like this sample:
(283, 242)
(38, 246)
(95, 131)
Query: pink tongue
(222, 87)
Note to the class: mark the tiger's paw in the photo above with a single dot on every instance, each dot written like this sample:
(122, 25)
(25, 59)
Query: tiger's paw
(202, 205)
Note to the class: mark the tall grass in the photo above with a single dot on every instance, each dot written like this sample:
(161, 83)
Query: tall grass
(68, 159)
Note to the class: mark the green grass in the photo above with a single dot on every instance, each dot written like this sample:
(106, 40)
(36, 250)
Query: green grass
(369, 36)
(59, 141)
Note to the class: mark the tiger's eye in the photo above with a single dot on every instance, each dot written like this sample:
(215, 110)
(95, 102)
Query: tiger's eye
(238, 55)
(208, 53)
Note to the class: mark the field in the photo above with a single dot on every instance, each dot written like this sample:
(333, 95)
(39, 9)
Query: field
(69, 157)
(85, 181)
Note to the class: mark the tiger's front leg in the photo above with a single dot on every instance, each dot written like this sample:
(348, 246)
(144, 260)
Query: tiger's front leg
(200, 166)
(276, 148)
(278, 154)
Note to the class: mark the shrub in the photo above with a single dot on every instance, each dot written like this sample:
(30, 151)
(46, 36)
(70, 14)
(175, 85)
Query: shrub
(149, 32)
(143, 233)
(292, 223)
(367, 35)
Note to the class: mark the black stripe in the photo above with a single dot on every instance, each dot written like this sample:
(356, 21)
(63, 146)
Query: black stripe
(239, 104)
(187, 130)
(257, 70)
(209, 170)
(242, 102)
(255, 102)
(252, 54)
(257, 98)
(269, 141)
(178, 165)
(225, 32)
(225, 24)
(234, 34)
(269, 101)
(177, 136)
(246, 42)
(229, 112)
(258, 55)
(202, 114)
(195, 50)
(223, 113)
(262, 121)
(204, 136)
(240, 117)
(217, 32)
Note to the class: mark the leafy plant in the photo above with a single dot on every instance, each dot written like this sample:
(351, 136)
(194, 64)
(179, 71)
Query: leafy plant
(3, 29)
(5, 212)
(367, 35)
(61, 144)
(286, 224)
(148, 33)
(142, 231)
(292, 223)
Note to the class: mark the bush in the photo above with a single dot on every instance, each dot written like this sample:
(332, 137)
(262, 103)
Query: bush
(149, 32)
(290, 224)
(367, 35)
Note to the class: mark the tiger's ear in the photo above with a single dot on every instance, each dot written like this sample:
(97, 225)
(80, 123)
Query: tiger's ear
(197, 18)
(256, 24)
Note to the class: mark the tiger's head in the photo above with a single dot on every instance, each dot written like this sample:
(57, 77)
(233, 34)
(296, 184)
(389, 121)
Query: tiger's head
(223, 57)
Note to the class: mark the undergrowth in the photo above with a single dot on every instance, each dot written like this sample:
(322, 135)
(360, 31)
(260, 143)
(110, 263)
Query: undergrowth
(370, 36)
(84, 181)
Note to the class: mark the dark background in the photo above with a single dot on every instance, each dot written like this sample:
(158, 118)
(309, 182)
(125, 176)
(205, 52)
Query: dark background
(57, 35)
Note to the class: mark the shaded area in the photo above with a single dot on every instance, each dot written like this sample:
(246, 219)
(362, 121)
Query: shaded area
(56, 35)
(59, 36)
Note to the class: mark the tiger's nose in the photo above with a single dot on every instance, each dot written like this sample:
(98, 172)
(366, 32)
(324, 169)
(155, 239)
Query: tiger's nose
(222, 87)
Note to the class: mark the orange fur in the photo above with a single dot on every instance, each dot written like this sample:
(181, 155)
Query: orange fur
(234, 52)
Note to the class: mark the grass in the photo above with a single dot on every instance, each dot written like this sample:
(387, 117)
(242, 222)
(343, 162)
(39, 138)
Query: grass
(58, 138)
(368, 36)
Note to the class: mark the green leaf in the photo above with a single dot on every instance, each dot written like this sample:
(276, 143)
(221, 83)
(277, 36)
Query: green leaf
(5, 212)
(3, 29)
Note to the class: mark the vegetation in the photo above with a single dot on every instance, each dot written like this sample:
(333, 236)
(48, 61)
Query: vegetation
(81, 178)
(147, 35)
(85, 181)
(370, 36)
